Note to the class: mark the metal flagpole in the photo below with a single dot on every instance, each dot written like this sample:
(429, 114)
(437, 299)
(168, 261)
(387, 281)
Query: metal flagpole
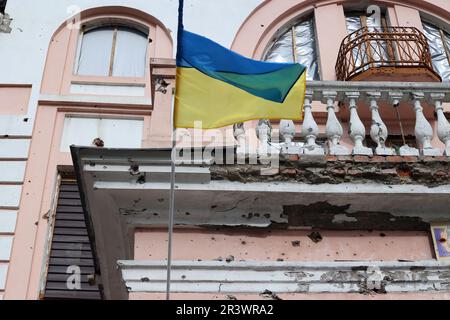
(172, 161)
(171, 206)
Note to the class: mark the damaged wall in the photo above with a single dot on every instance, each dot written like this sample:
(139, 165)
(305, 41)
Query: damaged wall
(289, 263)
(236, 244)
(428, 171)
(323, 215)
(291, 296)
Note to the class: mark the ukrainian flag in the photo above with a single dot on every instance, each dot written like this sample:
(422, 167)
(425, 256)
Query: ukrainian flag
(219, 87)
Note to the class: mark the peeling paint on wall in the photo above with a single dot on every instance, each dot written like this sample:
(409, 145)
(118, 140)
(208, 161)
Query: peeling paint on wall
(324, 215)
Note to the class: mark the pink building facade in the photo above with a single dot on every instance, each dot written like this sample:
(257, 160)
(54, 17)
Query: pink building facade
(347, 204)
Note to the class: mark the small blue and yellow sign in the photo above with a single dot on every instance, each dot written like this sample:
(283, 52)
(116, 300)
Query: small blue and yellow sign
(441, 240)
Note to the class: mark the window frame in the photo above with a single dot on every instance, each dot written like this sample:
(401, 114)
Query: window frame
(114, 25)
(443, 39)
(290, 27)
(443, 29)
(363, 17)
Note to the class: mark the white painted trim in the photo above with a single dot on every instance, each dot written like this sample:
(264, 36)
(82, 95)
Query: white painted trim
(97, 100)
(12, 171)
(8, 221)
(3, 274)
(115, 132)
(286, 277)
(108, 89)
(280, 187)
(10, 196)
(155, 173)
(14, 148)
(15, 126)
(5, 247)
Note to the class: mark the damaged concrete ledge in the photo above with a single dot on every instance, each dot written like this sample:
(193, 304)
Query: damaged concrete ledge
(391, 170)
(362, 277)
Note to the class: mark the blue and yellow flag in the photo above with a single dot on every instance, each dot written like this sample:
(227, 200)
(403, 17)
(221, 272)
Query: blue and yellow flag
(219, 87)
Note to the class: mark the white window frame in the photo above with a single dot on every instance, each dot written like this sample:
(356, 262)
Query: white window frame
(114, 26)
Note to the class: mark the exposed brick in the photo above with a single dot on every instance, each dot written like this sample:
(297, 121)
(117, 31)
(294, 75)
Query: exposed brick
(404, 173)
(395, 159)
(290, 172)
(339, 171)
(293, 157)
(345, 158)
(312, 159)
(443, 159)
(331, 158)
(410, 159)
(361, 158)
(392, 172)
(378, 159)
(353, 172)
(440, 173)
(429, 159)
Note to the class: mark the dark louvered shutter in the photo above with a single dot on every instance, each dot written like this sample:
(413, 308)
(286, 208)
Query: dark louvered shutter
(71, 247)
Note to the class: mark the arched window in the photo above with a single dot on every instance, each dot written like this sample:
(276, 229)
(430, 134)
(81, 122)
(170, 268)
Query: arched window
(439, 42)
(114, 51)
(297, 44)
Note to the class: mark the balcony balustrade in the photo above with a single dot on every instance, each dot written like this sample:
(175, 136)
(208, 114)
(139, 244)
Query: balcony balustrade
(409, 97)
(372, 54)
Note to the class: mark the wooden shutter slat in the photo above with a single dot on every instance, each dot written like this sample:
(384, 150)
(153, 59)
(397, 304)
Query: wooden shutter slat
(70, 231)
(70, 247)
(70, 224)
(63, 286)
(63, 270)
(69, 209)
(72, 295)
(71, 254)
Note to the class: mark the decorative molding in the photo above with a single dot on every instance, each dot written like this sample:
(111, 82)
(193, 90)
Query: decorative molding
(96, 101)
(287, 277)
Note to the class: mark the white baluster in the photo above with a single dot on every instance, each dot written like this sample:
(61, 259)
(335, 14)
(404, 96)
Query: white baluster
(239, 135)
(378, 130)
(264, 133)
(395, 97)
(423, 129)
(310, 130)
(287, 131)
(334, 130)
(356, 127)
(443, 129)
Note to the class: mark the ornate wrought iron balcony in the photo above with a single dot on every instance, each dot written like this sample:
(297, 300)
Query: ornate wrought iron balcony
(385, 53)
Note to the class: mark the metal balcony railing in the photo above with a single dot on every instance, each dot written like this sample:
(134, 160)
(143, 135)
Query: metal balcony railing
(369, 50)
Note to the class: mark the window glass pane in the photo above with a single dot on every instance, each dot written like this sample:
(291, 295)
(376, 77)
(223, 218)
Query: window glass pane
(130, 54)
(305, 40)
(446, 75)
(353, 23)
(281, 50)
(377, 51)
(438, 54)
(95, 53)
